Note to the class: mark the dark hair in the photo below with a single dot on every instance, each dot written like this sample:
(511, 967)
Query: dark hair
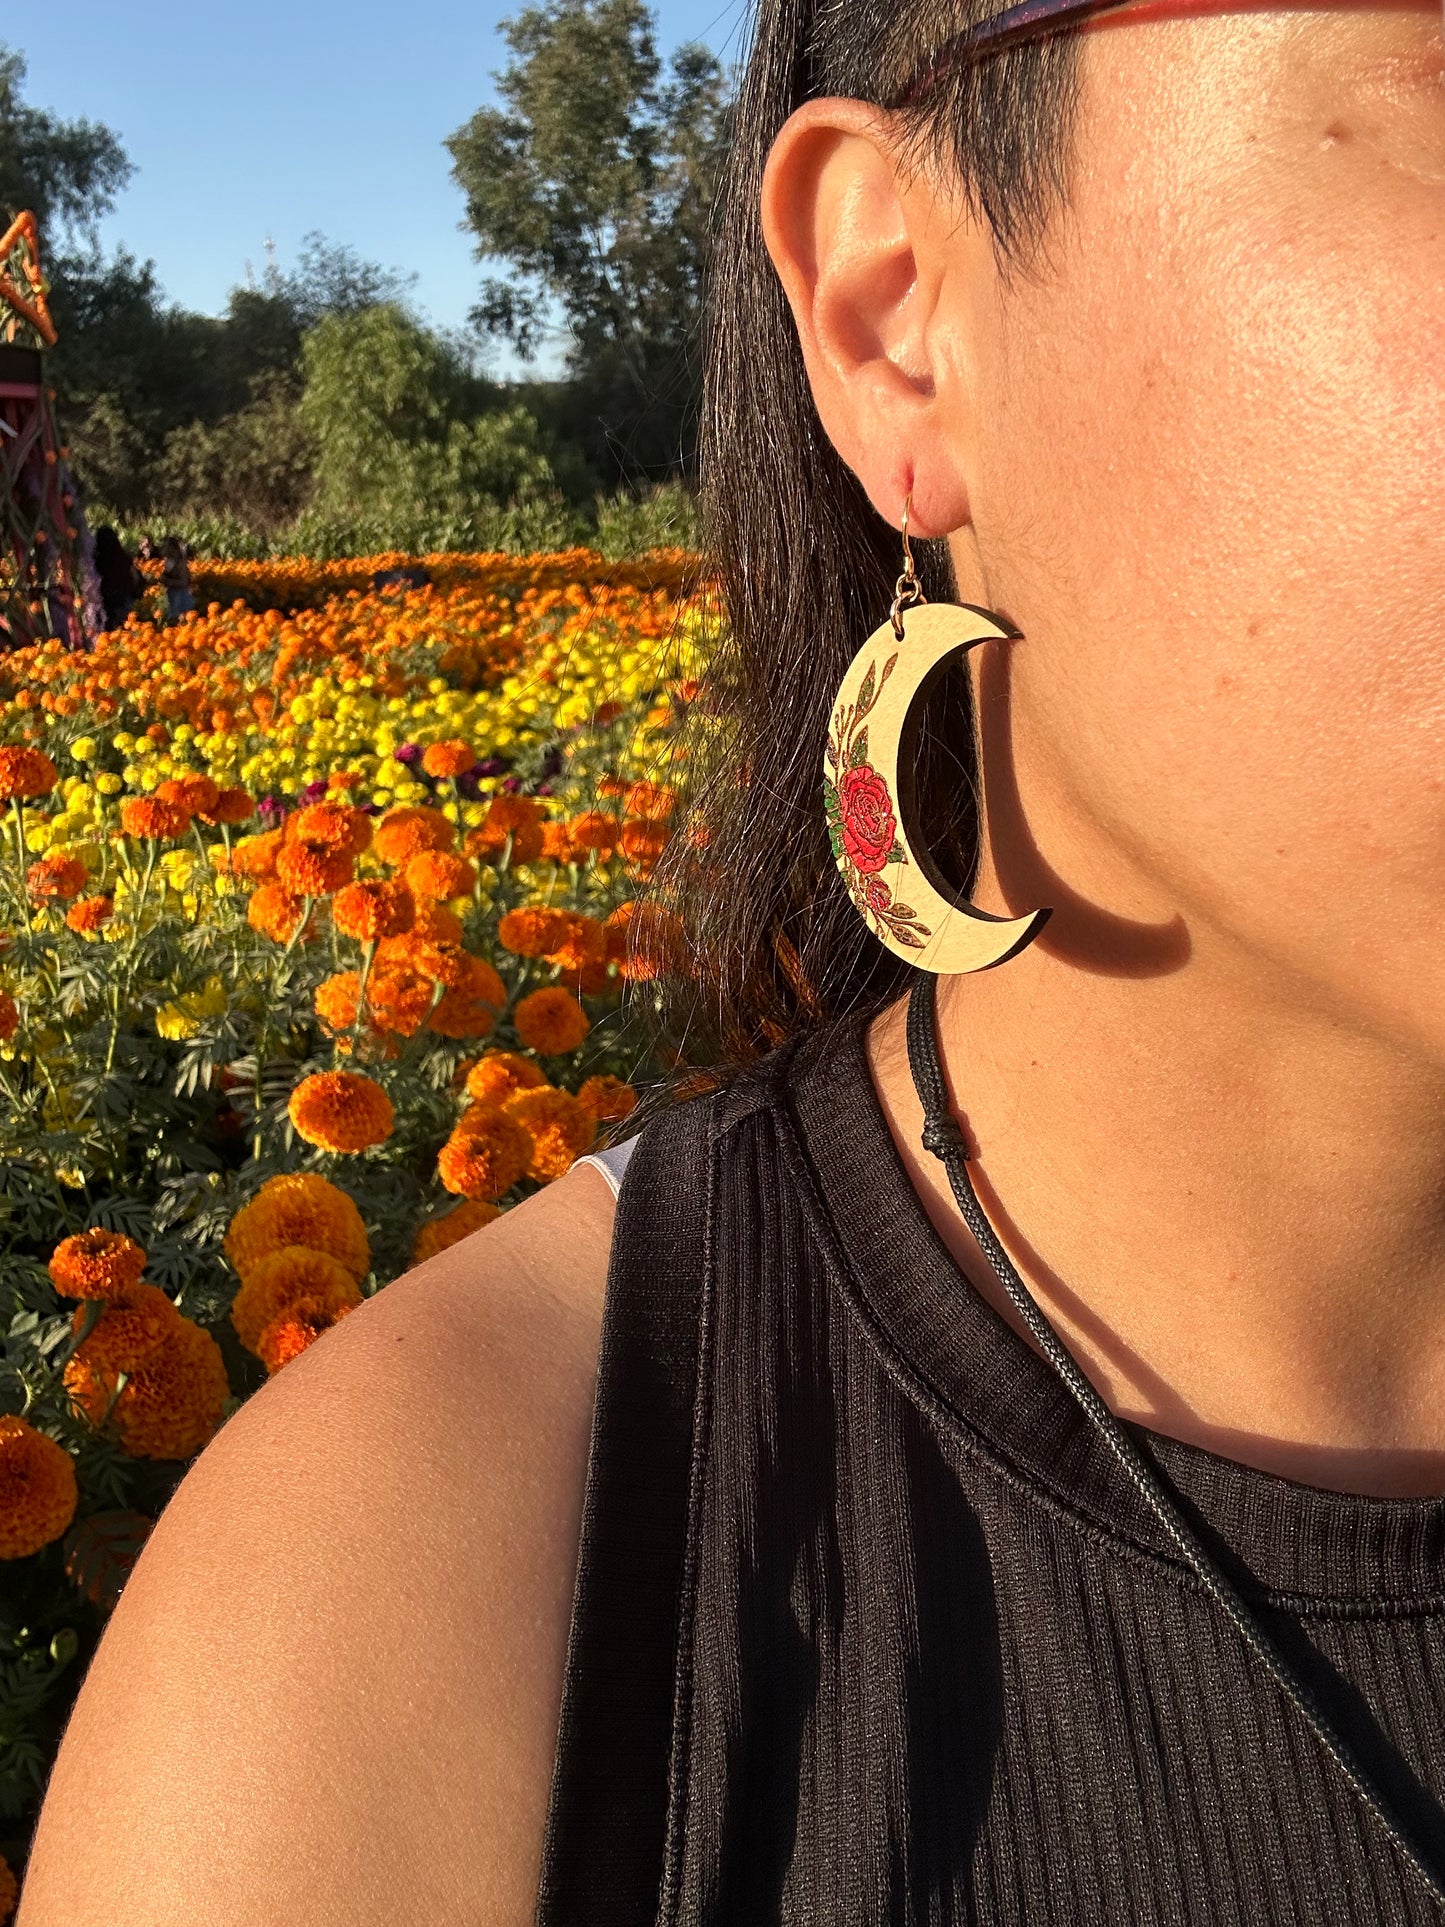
(805, 566)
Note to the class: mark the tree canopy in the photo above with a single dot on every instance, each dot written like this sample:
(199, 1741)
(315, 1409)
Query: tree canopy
(594, 182)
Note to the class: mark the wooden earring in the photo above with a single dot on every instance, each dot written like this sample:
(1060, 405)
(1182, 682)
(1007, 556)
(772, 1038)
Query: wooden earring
(869, 773)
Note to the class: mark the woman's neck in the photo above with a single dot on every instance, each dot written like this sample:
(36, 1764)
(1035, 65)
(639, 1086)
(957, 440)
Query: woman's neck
(1232, 1210)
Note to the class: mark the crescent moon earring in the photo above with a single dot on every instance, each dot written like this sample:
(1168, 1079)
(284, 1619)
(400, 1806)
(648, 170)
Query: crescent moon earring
(868, 787)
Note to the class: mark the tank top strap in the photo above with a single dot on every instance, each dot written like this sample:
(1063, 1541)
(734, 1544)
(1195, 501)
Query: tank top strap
(605, 1843)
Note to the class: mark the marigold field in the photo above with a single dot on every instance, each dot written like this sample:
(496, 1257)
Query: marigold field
(323, 940)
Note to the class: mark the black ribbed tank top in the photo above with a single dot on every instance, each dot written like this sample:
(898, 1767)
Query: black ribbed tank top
(870, 1627)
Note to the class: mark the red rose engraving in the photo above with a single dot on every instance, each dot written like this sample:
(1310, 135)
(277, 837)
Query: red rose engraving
(869, 826)
(876, 894)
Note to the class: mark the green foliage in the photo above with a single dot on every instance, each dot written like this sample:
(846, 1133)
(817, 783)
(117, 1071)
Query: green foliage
(67, 172)
(595, 181)
(405, 435)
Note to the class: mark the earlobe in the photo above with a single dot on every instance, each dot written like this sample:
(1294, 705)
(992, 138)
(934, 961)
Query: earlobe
(840, 219)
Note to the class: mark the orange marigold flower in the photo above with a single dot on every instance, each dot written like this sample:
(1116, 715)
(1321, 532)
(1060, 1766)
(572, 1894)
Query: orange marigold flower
(556, 843)
(472, 999)
(38, 1489)
(558, 1128)
(9, 1017)
(373, 909)
(511, 813)
(276, 912)
(642, 842)
(582, 940)
(644, 939)
(88, 914)
(312, 869)
(398, 1000)
(197, 795)
(484, 1156)
(153, 818)
(611, 786)
(136, 1319)
(341, 1111)
(608, 1098)
(255, 856)
(296, 1329)
(96, 1264)
(460, 1222)
(172, 1403)
(403, 831)
(594, 830)
(275, 1282)
(499, 1074)
(550, 1021)
(533, 930)
(56, 875)
(337, 999)
(453, 758)
(651, 801)
(439, 874)
(299, 1208)
(341, 825)
(232, 805)
(26, 772)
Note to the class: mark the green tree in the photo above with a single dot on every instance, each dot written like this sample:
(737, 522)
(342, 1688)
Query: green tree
(594, 180)
(67, 172)
(408, 439)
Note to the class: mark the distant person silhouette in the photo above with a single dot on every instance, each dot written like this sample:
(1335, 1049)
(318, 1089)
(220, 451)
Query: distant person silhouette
(176, 576)
(120, 580)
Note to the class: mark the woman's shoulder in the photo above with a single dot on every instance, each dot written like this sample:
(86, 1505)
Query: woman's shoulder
(365, 1579)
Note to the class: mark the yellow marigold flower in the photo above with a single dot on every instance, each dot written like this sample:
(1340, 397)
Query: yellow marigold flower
(558, 1127)
(608, 1098)
(453, 758)
(26, 772)
(9, 1017)
(88, 914)
(341, 1111)
(299, 1208)
(173, 1402)
(275, 1282)
(439, 874)
(296, 1329)
(96, 1264)
(255, 856)
(532, 930)
(136, 1319)
(38, 1490)
(337, 998)
(56, 875)
(498, 1074)
(550, 1021)
(373, 909)
(402, 832)
(152, 818)
(312, 867)
(460, 1222)
(275, 911)
(484, 1156)
(594, 830)
(184, 1016)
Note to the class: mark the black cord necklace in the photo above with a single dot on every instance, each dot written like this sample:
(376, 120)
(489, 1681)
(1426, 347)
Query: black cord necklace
(943, 1137)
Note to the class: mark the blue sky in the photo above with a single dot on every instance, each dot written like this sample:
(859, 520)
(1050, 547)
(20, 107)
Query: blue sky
(285, 115)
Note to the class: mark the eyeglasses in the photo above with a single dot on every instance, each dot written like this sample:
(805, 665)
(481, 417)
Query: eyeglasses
(1024, 21)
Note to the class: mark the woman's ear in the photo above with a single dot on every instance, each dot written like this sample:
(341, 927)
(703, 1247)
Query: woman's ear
(871, 260)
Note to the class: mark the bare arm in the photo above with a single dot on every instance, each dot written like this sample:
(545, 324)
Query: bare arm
(328, 1696)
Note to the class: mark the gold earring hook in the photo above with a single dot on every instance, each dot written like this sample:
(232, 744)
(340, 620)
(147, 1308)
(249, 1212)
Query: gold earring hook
(908, 589)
